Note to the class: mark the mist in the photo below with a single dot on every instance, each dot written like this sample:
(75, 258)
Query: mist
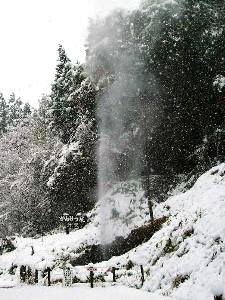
(128, 103)
(102, 8)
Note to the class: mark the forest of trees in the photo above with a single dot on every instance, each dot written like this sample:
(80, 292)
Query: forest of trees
(167, 60)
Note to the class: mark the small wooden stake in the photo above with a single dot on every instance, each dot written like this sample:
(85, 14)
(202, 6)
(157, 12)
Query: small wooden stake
(114, 274)
(92, 279)
(29, 275)
(49, 276)
(142, 275)
(67, 229)
(36, 276)
(23, 273)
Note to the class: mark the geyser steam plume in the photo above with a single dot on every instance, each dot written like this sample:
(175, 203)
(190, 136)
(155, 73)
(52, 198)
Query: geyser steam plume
(120, 146)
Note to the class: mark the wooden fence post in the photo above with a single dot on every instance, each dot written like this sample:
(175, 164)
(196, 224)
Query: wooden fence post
(23, 273)
(29, 275)
(49, 276)
(36, 276)
(142, 275)
(67, 229)
(92, 279)
(114, 274)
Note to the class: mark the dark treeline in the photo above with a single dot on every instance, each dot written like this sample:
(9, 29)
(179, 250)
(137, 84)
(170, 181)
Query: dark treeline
(171, 55)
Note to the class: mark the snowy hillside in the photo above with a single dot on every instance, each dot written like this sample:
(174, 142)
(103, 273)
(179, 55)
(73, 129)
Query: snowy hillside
(184, 260)
(127, 209)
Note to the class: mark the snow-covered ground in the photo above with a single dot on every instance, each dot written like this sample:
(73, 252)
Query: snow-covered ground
(78, 293)
(184, 260)
(126, 210)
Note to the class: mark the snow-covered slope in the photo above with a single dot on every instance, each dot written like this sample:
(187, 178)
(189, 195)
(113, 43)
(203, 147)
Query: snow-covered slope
(185, 259)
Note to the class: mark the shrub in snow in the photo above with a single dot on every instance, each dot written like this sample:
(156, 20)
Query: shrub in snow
(6, 245)
(219, 83)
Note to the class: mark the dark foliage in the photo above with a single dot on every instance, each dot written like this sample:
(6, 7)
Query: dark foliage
(121, 245)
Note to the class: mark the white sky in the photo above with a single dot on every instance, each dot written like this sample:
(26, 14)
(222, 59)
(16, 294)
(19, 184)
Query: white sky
(30, 31)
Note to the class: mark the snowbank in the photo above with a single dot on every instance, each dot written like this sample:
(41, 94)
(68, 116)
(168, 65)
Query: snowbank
(77, 292)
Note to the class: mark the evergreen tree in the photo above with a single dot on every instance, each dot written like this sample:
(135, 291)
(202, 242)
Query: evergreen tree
(82, 89)
(16, 113)
(73, 172)
(73, 178)
(61, 89)
(183, 48)
(26, 110)
(3, 115)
